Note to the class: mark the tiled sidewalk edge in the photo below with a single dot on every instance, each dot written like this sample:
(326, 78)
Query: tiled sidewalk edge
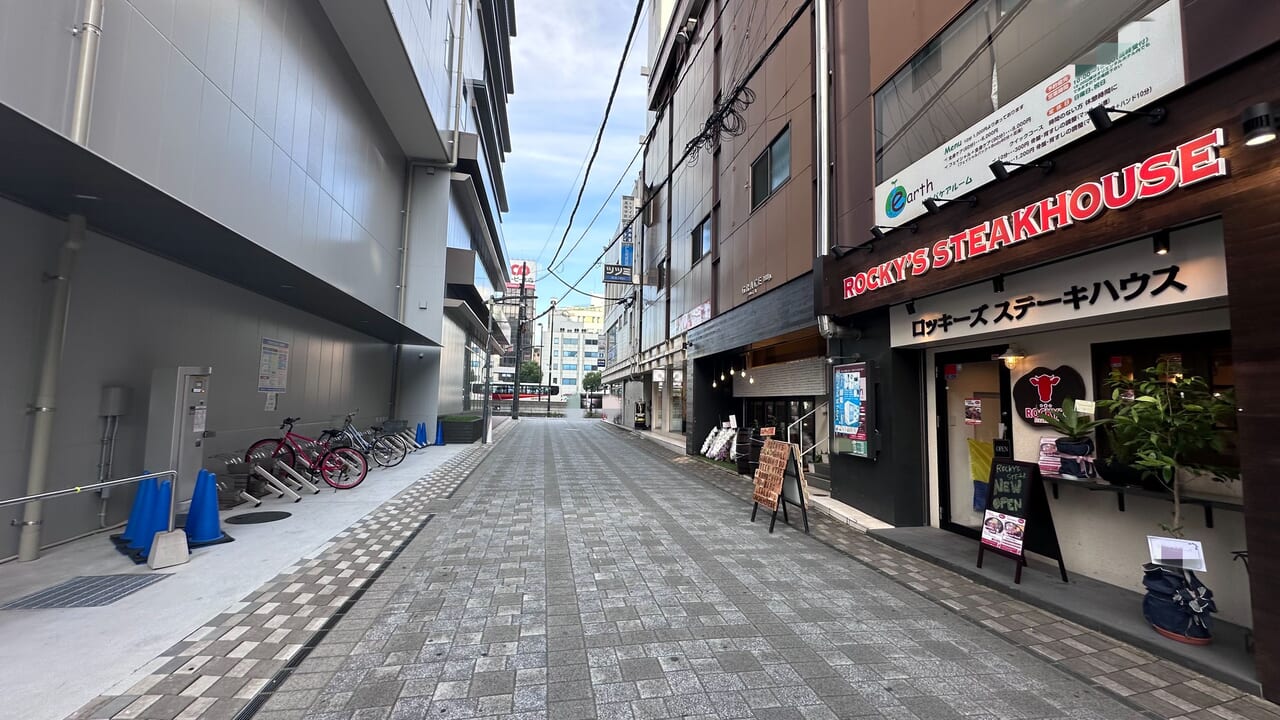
(1158, 687)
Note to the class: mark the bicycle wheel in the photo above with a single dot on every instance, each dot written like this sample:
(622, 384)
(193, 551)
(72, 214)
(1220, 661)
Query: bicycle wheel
(386, 453)
(263, 451)
(343, 468)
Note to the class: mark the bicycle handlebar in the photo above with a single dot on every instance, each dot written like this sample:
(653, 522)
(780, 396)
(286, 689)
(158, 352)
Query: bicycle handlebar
(289, 421)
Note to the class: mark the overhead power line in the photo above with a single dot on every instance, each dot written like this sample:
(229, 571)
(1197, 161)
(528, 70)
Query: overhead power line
(690, 148)
(608, 109)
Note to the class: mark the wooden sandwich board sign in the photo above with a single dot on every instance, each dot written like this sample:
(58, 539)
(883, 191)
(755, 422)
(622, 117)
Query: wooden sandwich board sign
(779, 481)
(1017, 517)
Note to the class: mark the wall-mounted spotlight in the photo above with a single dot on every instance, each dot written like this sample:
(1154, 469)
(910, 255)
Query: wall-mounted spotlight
(911, 307)
(997, 283)
(1160, 242)
(1000, 168)
(877, 231)
(752, 380)
(1101, 116)
(832, 360)
(840, 251)
(1011, 356)
(931, 204)
(1259, 124)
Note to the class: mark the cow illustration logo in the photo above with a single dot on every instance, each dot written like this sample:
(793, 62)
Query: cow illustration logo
(1044, 385)
(1041, 392)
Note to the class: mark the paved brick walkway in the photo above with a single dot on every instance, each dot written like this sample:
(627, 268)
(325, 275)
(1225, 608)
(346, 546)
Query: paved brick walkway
(581, 573)
(221, 671)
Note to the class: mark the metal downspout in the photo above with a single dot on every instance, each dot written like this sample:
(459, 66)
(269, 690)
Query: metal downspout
(822, 86)
(90, 32)
(408, 203)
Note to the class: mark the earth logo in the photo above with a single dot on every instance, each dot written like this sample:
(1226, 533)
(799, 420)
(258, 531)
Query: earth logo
(897, 201)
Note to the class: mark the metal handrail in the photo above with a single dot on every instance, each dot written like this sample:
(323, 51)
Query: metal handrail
(173, 496)
(797, 423)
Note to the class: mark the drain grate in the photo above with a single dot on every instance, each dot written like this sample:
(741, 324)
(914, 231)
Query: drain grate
(85, 591)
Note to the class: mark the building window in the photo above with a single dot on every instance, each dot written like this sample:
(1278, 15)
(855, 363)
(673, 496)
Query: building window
(591, 341)
(570, 381)
(662, 274)
(571, 353)
(570, 366)
(985, 59)
(570, 341)
(590, 354)
(771, 169)
(702, 239)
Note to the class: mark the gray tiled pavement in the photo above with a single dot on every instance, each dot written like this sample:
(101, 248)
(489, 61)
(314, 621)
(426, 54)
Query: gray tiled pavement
(578, 575)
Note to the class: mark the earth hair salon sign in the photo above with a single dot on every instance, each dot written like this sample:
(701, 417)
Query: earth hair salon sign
(1190, 163)
(1146, 65)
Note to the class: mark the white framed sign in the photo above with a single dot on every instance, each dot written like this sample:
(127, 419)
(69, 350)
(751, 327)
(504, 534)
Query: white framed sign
(273, 366)
(1176, 552)
(1148, 65)
(1121, 279)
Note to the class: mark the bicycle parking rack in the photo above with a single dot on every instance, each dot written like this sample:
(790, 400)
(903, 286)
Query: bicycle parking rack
(275, 484)
(409, 438)
(298, 478)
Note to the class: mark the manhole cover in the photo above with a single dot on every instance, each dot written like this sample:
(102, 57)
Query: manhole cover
(254, 518)
(85, 591)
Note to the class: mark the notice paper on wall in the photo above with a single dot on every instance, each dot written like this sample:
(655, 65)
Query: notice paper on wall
(271, 401)
(1178, 553)
(273, 366)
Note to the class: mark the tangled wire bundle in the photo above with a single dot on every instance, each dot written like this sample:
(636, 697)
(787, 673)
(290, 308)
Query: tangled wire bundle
(725, 121)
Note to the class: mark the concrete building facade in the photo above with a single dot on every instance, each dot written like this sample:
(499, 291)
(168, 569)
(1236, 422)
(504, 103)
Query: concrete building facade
(313, 173)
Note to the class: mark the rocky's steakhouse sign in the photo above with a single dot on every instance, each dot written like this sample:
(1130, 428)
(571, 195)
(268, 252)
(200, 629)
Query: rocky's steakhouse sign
(1189, 163)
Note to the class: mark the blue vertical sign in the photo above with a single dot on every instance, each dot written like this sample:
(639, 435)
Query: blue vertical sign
(628, 255)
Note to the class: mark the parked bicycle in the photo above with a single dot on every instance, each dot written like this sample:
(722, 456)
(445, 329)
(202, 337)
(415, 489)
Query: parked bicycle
(338, 465)
(385, 451)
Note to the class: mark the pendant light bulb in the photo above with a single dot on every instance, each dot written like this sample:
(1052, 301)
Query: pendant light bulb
(752, 380)
(721, 376)
(744, 373)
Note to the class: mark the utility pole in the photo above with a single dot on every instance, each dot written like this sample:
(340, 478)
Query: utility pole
(553, 353)
(515, 393)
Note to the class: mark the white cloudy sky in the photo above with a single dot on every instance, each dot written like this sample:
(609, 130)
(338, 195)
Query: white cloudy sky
(565, 56)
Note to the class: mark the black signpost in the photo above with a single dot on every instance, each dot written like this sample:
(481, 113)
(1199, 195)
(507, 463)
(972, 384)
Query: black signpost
(1017, 493)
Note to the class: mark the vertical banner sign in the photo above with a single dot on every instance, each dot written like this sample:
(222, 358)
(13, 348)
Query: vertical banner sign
(850, 407)
(273, 366)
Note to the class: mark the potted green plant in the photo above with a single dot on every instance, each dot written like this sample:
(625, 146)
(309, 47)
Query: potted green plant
(1172, 427)
(1076, 446)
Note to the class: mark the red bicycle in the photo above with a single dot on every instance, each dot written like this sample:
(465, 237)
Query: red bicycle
(341, 467)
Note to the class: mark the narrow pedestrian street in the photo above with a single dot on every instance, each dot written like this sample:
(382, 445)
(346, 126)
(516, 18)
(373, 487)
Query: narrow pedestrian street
(581, 572)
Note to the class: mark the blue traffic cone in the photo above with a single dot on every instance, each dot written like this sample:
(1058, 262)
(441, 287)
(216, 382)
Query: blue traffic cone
(420, 436)
(203, 525)
(439, 432)
(139, 513)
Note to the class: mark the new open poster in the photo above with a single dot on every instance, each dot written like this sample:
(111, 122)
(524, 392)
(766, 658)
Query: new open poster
(849, 387)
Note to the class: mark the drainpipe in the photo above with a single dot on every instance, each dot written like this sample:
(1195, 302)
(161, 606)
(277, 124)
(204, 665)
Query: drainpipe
(822, 83)
(90, 32)
(408, 199)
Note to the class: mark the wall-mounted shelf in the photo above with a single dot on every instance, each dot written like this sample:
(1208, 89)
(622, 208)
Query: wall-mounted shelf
(1209, 504)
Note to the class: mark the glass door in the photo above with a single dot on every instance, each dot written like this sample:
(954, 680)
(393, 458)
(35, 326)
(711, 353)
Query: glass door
(973, 410)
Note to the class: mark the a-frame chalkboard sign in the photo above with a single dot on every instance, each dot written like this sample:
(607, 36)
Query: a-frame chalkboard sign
(780, 481)
(1018, 518)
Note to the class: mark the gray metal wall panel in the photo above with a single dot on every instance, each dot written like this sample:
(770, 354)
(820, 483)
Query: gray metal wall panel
(37, 58)
(791, 379)
(132, 312)
(453, 367)
(208, 106)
